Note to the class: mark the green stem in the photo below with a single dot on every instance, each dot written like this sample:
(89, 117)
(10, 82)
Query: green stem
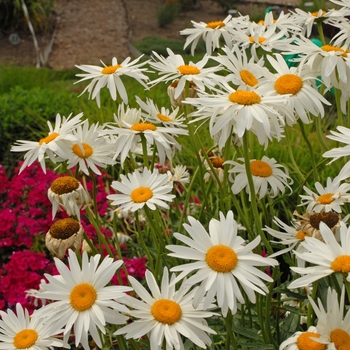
(230, 336)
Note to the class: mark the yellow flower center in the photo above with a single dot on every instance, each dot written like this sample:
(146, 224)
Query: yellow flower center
(166, 311)
(248, 77)
(315, 13)
(215, 24)
(188, 70)
(141, 194)
(88, 151)
(163, 118)
(261, 39)
(48, 138)
(25, 339)
(326, 198)
(341, 264)
(64, 228)
(330, 48)
(260, 168)
(110, 69)
(83, 296)
(301, 235)
(243, 97)
(341, 339)
(221, 258)
(64, 184)
(141, 127)
(288, 84)
(305, 343)
(217, 162)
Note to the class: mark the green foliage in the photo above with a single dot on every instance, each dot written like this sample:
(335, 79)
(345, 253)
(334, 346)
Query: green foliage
(226, 4)
(12, 15)
(159, 45)
(167, 14)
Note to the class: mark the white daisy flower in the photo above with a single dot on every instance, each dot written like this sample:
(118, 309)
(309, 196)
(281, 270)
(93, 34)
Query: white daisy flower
(21, 331)
(327, 256)
(152, 113)
(67, 192)
(180, 174)
(298, 83)
(49, 145)
(266, 38)
(210, 32)
(223, 263)
(81, 300)
(174, 67)
(138, 189)
(307, 19)
(216, 165)
(329, 198)
(89, 151)
(331, 324)
(291, 236)
(131, 127)
(166, 314)
(282, 22)
(331, 62)
(232, 111)
(269, 177)
(242, 73)
(303, 341)
(342, 136)
(343, 36)
(110, 76)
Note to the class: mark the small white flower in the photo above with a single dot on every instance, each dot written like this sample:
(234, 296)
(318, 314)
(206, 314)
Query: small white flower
(49, 145)
(268, 177)
(21, 331)
(166, 314)
(140, 189)
(110, 76)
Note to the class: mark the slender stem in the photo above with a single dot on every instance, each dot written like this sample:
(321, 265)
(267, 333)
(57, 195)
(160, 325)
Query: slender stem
(230, 336)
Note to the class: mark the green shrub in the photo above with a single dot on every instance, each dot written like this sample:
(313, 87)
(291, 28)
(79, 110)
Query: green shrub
(167, 13)
(159, 45)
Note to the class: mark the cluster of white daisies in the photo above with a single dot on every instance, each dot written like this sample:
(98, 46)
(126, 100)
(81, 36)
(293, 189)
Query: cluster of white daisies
(235, 95)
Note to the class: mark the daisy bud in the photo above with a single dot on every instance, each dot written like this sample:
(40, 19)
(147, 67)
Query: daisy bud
(62, 235)
(67, 192)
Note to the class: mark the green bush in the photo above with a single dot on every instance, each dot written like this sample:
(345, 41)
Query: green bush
(167, 13)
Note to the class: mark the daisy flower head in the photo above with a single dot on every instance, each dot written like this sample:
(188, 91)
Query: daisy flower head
(303, 341)
(223, 263)
(343, 36)
(242, 72)
(21, 331)
(331, 324)
(132, 127)
(81, 299)
(236, 111)
(174, 67)
(269, 177)
(142, 188)
(49, 145)
(178, 101)
(266, 38)
(180, 174)
(329, 198)
(331, 62)
(110, 76)
(68, 193)
(298, 83)
(89, 151)
(210, 32)
(307, 19)
(166, 314)
(64, 234)
(215, 164)
(152, 113)
(328, 256)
